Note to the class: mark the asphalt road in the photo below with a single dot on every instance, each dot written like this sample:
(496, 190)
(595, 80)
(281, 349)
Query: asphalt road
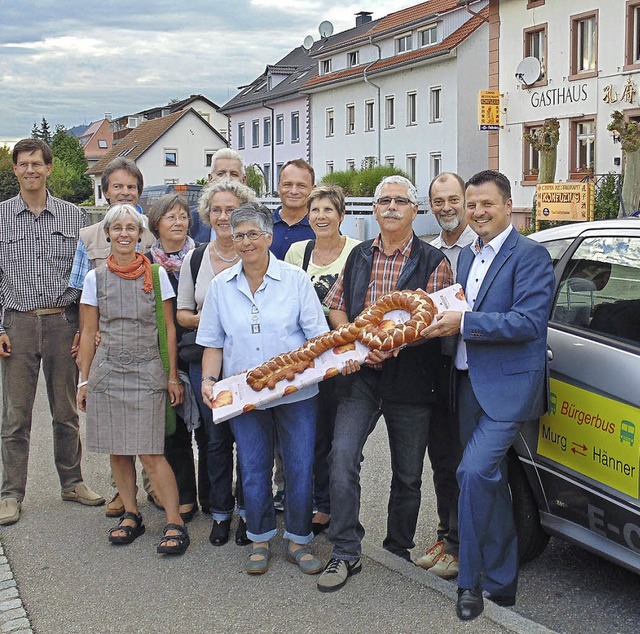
(71, 580)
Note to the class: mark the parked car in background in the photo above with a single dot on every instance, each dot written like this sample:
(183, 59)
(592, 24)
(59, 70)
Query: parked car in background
(575, 473)
(199, 232)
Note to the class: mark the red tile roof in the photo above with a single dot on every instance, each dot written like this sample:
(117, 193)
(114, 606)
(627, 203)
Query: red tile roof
(447, 44)
(139, 140)
(412, 14)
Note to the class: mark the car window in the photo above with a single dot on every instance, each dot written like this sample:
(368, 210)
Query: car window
(600, 288)
(557, 248)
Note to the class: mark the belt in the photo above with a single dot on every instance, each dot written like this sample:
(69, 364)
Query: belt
(47, 311)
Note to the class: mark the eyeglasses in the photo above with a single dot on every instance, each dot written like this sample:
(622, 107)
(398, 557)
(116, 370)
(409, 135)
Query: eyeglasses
(24, 166)
(252, 235)
(400, 201)
(217, 211)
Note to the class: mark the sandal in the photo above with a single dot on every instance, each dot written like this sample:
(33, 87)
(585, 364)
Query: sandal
(181, 540)
(131, 533)
(258, 566)
(309, 566)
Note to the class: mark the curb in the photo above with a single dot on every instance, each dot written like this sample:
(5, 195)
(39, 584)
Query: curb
(13, 616)
(508, 619)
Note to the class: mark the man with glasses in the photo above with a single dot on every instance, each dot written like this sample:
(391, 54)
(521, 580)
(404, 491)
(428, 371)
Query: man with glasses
(400, 385)
(446, 199)
(39, 319)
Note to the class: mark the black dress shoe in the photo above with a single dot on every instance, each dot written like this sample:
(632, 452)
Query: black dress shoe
(505, 600)
(318, 527)
(470, 604)
(219, 534)
(241, 533)
(187, 516)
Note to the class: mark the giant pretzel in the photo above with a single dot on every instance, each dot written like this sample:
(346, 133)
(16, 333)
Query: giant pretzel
(369, 328)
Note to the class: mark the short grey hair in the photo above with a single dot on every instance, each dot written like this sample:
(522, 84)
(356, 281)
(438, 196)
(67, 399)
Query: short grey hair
(396, 179)
(229, 154)
(243, 193)
(117, 212)
(254, 213)
(162, 206)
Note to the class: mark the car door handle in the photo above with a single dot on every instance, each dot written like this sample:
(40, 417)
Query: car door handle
(549, 354)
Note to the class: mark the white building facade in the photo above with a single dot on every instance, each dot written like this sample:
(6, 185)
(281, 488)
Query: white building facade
(404, 93)
(589, 55)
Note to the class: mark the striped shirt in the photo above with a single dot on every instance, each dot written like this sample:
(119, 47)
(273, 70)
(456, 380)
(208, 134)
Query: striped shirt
(36, 254)
(385, 271)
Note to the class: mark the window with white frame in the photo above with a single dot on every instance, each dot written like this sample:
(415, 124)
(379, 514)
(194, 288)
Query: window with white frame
(389, 161)
(531, 156)
(368, 116)
(436, 164)
(255, 133)
(353, 58)
(208, 157)
(429, 35)
(351, 164)
(435, 104)
(279, 167)
(295, 127)
(412, 108)
(102, 144)
(325, 66)
(329, 167)
(389, 111)
(411, 167)
(280, 128)
(584, 43)
(351, 118)
(583, 143)
(266, 131)
(632, 53)
(404, 43)
(266, 170)
(241, 136)
(535, 45)
(171, 158)
(329, 129)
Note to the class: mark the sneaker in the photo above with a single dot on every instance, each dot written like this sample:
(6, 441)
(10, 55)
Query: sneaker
(336, 573)
(278, 501)
(446, 567)
(428, 560)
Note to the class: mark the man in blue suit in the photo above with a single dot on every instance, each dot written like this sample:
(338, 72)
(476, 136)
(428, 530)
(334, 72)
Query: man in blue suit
(502, 381)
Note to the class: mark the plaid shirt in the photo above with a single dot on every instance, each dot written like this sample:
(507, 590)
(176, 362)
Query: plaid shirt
(36, 254)
(385, 271)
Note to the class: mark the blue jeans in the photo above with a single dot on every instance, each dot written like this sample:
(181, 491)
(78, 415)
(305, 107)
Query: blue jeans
(219, 457)
(254, 432)
(488, 539)
(408, 430)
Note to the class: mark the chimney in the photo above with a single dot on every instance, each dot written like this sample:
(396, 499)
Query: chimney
(363, 17)
(108, 116)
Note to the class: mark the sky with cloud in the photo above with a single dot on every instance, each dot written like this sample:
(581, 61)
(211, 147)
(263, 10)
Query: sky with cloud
(71, 61)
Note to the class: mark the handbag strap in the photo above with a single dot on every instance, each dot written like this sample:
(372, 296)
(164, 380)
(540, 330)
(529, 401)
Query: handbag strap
(170, 414)
(307, 254)
(196, 260)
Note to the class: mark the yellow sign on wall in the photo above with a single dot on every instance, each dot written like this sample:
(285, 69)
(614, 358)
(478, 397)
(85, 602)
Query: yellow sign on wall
(489, 109)
(593, 435)
(565, 201)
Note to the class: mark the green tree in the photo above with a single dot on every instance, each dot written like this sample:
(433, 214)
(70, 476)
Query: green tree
(68, 150)
(8, 182)
(43, 132)
(255, 180)
(629, 132)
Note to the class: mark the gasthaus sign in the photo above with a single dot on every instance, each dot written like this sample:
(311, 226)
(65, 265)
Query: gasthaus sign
(593, 435)
(565, 201)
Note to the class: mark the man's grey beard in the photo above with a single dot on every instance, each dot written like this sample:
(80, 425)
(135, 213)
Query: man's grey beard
(449, 225)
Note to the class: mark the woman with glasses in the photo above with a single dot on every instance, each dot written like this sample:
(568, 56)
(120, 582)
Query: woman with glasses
(257, 309)
(216, 203)
(323, 259)
(169, 221)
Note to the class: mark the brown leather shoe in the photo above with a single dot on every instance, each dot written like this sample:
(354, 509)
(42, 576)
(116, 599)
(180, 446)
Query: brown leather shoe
(115, 508)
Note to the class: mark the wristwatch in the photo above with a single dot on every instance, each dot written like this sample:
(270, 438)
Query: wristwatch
(210, 377)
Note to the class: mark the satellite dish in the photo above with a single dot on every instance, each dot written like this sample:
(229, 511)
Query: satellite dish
(529, 71)
(325, 29)
(308, 42)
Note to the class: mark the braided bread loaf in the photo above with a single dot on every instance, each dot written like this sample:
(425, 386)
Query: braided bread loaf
(370, 328)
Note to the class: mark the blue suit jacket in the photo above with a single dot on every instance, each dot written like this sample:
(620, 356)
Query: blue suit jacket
(506, 332)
